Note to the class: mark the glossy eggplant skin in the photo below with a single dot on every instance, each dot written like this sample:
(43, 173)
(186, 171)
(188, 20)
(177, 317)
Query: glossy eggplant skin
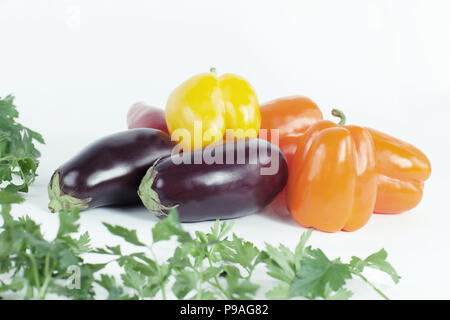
(108, 172)
(216, 191)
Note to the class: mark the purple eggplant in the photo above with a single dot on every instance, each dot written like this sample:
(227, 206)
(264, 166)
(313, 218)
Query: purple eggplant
(108, 172)
(219, 182)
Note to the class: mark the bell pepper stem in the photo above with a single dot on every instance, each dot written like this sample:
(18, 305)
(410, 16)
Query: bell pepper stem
(213, 70)
(340, 115)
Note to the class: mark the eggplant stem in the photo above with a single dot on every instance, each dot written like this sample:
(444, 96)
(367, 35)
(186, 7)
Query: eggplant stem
(59, 200)
(150, 197)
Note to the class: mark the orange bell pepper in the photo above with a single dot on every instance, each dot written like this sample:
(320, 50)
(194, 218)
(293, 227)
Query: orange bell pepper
(292, 116)
(332, 183)
(402, 170)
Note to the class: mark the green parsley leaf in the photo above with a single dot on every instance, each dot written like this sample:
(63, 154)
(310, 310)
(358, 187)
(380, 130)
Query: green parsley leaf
(300, 249)
(238, 251)
(68, 222)
(128, 235)
(280, 263)
(168, 227)
(10, 198)
(316, 272)
(341, 294)
(377, 261)
(280, 292)
(185, 282)
(18, 153)
(16, 284)
(239, 287)
(115, 292)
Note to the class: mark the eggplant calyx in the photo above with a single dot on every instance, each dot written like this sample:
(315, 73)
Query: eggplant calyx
(150, 197)
(59, 200)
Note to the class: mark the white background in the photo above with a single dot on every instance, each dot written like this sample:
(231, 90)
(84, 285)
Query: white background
(76, 67)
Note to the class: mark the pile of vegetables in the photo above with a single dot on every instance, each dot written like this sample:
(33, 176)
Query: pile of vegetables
(329, 176)
(213, 154)
(227, 182)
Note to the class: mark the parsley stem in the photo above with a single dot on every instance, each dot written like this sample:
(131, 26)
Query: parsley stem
(199, 295)
(370, 284)
(34, 270)
(249, 271)
(46, 265)
(216, 280)
(43, 291)
(29, 292)
(217, 285)
(161, 280)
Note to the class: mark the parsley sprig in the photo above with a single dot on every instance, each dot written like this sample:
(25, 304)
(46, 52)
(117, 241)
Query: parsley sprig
(216, 265)
(18, 153)
(309, 273)
(34, 266)
(213, 265)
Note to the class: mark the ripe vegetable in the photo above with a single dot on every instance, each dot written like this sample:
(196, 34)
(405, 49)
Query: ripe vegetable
(216, 104)
(292, 116)
(108, 171)
(245, 177)
(333, 180)
(142, 115)
(402, 171)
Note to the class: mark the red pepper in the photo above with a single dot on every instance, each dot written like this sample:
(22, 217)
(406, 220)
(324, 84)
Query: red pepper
(142, 115)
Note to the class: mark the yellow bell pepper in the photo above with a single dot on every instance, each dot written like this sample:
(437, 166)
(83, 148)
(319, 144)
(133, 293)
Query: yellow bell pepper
(206, 107)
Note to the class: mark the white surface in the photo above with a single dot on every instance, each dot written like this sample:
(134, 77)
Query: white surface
(76, 67)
